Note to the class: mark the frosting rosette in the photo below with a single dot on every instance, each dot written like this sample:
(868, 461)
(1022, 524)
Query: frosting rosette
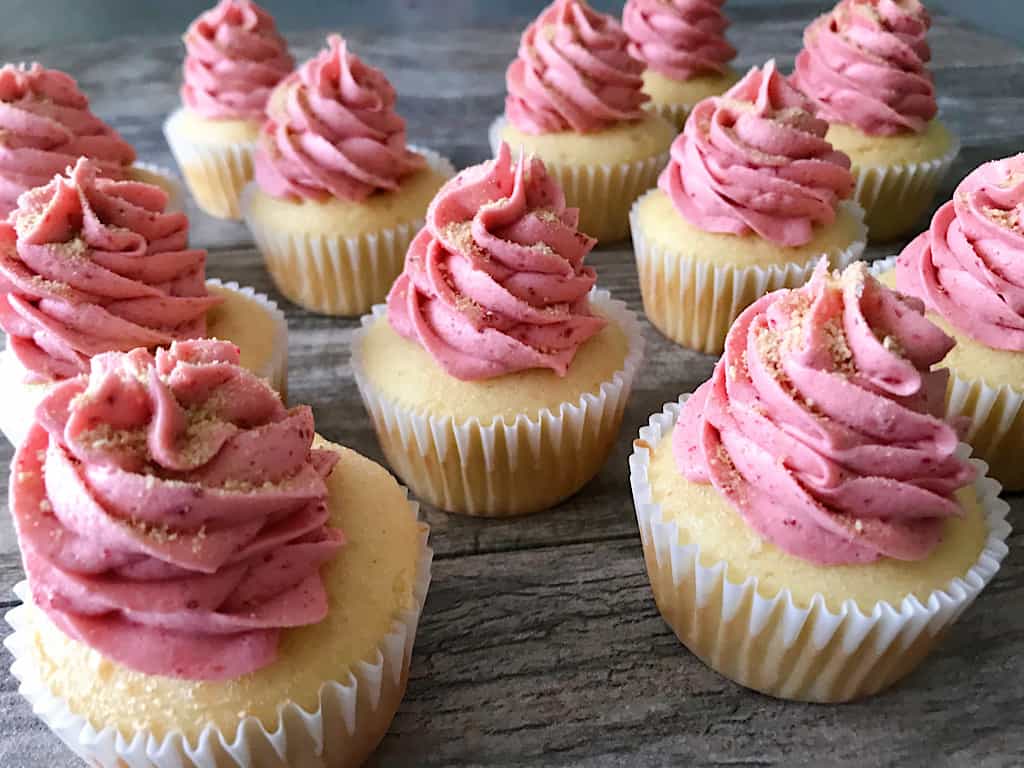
(969, 265)
(234, 58)
(680, 39)
(495, 282)
(172, 513)
(865, 63)
(45, 126)
(90, 265)
(756, 160)
(335, 133)
(573, 72)
(820, 423)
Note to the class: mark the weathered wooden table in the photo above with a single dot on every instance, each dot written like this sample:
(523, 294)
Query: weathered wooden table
(540, 643)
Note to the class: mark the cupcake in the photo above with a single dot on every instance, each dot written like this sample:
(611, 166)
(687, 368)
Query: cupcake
(496, 377)
(576, 101)
(811, 526)
(751, 199)
(90, 265)
(209, 582)
(683, 45)
(338, 194)
(865, 64)
(46, 125)
(234, 58)
(968, 269)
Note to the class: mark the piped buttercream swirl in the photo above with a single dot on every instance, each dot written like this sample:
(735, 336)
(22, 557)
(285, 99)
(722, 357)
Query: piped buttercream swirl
(821, 423)
(680, 39)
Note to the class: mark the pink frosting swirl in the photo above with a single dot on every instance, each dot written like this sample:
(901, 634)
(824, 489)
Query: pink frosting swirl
(573, 73)
(969, 265)
(495, 283)
(172, 514)
(820, 423)
(90, 265)
(680, 39)
(234, 58)
(866, 64)
(337, 134)
(756, 160)
(45, 126)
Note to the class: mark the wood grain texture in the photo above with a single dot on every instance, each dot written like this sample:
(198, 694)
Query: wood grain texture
(540, 643)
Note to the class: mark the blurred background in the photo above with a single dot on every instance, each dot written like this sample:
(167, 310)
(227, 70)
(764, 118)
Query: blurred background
(26, 23)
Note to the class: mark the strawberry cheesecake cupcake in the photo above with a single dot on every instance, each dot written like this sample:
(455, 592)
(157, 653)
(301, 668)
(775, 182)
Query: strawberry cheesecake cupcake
(865, 65)
(811, 525)
(209, 582)
(752, 198)
(234, 58)
(46, 125)
(968, 269)
(576, 101)
(683, 45)
(91, 265)
(496, 376)
(338, 194)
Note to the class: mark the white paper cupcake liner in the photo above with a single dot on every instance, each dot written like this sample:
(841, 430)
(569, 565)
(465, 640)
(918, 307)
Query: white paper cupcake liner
(995, 416)
(771, 644)
(20, 399)
(351, 717)
(894, 197)
(215, 173)
(504, 468)
(330, 274)
(164, 178)
(603, 193)
(674, 113)
(694, 302)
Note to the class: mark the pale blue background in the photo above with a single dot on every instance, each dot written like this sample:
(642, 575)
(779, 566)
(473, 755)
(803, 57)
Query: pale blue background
(42, 22)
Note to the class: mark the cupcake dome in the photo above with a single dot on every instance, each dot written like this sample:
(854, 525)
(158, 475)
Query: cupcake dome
(234, 58)
(191, 588)
(865, 64)
(752, 197)
(47, 125)
(967, 269)
(492, 341)
(810, 523)
(683, 45)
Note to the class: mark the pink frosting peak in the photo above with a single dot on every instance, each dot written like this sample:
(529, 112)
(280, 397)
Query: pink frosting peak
(756, 160)
(865, 63)
(90, 265)
(337, 133)
(45, 126)
(573, 73)
(234, 58)
(820, 423)
(680, 39)
(495, 283)
(172, 513)
(969, 265)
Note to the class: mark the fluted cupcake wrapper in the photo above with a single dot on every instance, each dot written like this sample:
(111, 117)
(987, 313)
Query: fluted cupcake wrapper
(503, 469)
(215, 173)
(603, 193)
(20, 398)
(775, 646)
(694, 302)
(995, 416)
(352, 715)
(164, 178)
(894, 197)
(674, 113)
(331, 274)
